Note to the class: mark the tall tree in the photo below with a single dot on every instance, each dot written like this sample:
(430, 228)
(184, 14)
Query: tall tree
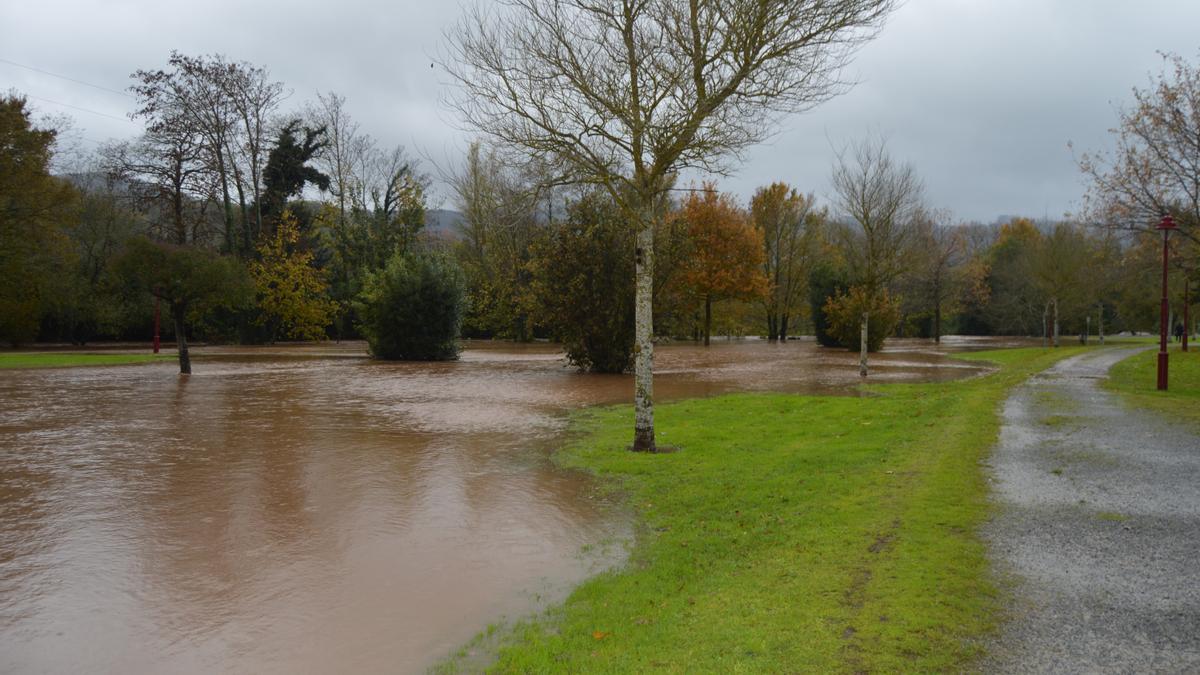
(623, 94)
(287, 170)
(34, 251)
(727, 252)
(936, 271)
(292, 298)
(191, 93)
(499, 206)
(788, 222)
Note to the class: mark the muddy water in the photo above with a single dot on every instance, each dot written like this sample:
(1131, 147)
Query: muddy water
(309, 510)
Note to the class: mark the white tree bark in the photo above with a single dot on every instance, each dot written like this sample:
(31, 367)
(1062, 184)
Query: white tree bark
(643, 338)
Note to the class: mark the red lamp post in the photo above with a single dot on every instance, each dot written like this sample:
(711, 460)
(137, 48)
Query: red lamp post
(1166, 225)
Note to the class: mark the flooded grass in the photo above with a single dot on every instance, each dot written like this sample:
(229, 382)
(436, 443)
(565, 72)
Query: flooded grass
(791, 533)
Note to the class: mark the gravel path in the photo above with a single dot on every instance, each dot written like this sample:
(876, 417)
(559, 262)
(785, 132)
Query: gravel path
(1098, 526)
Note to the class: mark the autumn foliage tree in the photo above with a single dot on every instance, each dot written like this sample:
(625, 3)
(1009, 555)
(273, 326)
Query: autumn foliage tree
(292, 294)
(727, 252)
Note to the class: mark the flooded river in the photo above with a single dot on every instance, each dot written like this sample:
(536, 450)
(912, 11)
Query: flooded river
(305, 509)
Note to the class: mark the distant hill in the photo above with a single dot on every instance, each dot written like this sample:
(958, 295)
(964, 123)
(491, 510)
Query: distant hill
(444, 223)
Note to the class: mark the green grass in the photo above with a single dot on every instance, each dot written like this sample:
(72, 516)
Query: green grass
(790, 534)
(1136, 380)
(66, 359)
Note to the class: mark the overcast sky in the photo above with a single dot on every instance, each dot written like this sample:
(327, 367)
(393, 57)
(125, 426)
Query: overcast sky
(981, 97)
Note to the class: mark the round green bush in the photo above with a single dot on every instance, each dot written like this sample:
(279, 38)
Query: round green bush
(412, 309)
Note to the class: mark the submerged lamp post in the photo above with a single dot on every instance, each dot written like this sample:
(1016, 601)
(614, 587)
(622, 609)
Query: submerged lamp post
(1166, 225)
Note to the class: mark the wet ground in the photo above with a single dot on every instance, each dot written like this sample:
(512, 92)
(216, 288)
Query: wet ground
(1099, 530)
(305, 509)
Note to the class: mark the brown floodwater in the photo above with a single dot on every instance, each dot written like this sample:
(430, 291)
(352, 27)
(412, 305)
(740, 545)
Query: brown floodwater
(305, 509)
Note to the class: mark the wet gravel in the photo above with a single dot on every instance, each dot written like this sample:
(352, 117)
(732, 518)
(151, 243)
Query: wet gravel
(1098, 530)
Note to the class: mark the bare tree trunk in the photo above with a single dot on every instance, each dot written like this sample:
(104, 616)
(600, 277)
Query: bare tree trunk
(772, 327)
(783, 326)
(643, 345)
(937, 321)
(707, 318)
(1087, 331)
(185, 362)
(1045, 324)
(862, 353)
(1100, 320)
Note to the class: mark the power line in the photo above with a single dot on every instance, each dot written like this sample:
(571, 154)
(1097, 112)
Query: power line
(64, 77)
(94, 112)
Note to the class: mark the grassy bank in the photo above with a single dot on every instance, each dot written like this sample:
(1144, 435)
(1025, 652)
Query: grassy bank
(791, 533)
(1136, 379)
(66, 359)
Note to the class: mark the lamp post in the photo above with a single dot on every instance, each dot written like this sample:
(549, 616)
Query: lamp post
(1166, 225)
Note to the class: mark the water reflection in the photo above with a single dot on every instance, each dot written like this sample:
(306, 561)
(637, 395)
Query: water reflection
(308, 510)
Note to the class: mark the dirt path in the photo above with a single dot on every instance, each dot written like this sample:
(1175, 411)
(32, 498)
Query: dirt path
(1099, 527)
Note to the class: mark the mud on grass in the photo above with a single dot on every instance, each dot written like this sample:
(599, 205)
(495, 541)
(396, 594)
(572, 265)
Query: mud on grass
(791, 533)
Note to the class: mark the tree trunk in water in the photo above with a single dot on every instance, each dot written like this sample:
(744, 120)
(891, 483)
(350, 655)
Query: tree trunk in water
(771, 327)
(1056, 322)
(707, 318)
(937, 322)
(783, 322)
(185, 362)
(643, 337)
(862, 354)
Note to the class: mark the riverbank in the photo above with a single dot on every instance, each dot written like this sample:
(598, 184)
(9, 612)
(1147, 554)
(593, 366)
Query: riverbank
(73, 359)
(791, 532)
(1135, 379)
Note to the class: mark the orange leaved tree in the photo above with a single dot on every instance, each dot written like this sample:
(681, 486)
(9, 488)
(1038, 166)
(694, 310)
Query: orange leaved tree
(727, 251)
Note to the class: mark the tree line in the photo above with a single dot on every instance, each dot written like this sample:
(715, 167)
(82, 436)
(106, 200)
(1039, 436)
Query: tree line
(253, 223)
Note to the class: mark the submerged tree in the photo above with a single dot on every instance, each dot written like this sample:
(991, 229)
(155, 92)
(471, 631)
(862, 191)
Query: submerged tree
(412, 309)
(787, 221)
(727, 252)
(623, 94)
(582, 288)
(881, 198)
(189, 280)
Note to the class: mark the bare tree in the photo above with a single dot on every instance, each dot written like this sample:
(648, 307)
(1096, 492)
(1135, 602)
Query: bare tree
(254, 98)
(881, 198)
(344, 141)
(167, 176)
(625, 93)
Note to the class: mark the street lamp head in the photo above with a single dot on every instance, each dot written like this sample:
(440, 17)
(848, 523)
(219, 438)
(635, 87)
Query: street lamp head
(1167, 223)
